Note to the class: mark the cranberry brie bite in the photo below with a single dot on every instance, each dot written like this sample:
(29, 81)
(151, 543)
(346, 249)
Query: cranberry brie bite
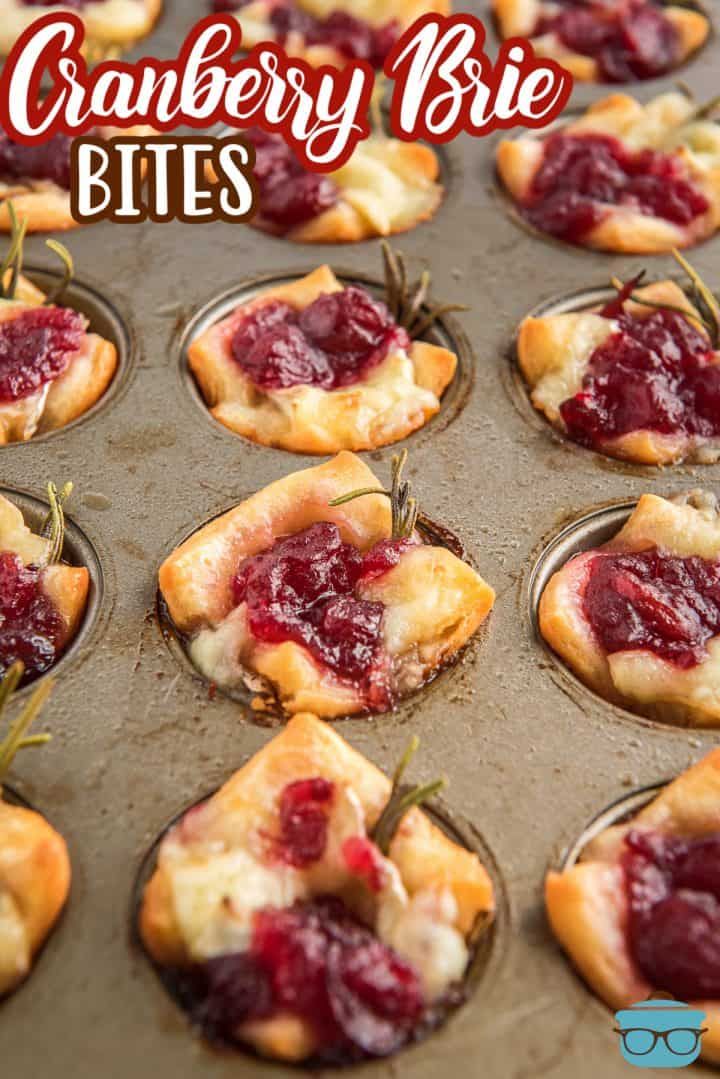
(623, 177)
(319, 587)
(317, 367)
(638, 619)
(111, 26)
(42, 600)
(304, 910)
(637, 379)
(640, 911)
(607, 40)
(34, 863)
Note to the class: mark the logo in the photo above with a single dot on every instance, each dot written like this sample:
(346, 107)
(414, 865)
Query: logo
(660, 1034)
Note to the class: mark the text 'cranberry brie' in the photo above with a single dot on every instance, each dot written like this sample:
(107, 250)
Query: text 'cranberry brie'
(108, 23)
(631, 381)
(315, 367)
(607, 40)
(386, 187)
(638, 619)
(623, 177)
(640, 911)
(51, 369)
(333, 614)
(328, 32)
(285, 925)
(41, 602)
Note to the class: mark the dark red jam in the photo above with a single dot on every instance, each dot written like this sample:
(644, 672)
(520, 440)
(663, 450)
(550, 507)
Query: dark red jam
(48, 160)
(674, 926)
(304, 809)
(303, 589)
(655, 601)
(31, 629)
(655, 373)
(314, 960)
(35, 348)
(288, 195)
(629, 39)
(332, 343)
(582, 176)
(74, 5)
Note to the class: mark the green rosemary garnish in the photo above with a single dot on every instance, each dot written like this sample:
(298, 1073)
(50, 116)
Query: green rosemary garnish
(404, 508)
(401, 799)
(707, 313)
(13, 261)
(53, 528)
(16, 738)
(408, 303)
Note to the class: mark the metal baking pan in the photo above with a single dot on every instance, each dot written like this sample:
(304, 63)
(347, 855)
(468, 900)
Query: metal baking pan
(532, 756)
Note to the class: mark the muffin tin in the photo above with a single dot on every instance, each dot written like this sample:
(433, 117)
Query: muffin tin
(531, 755)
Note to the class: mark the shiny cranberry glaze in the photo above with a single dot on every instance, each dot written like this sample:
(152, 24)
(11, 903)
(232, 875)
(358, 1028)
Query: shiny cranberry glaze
(650, 600)
(629, 39)
(332, 343)
(348, 35)
(674, 924)
(288, 195)
(581, 176)
(31, 629)
(48, 160)
(654, 373)
(304, 809)
(303, 589)
(35, 348)
(364, 860)
(314, 960)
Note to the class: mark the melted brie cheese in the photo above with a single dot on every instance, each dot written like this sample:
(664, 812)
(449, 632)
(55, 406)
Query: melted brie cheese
(377, 183)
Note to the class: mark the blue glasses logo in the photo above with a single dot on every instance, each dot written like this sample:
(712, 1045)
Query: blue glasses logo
(660, 1034)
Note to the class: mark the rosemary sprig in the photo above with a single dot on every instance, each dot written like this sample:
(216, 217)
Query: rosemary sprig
(404, 508)
(53, 528)
(13, 261)
(401, 799)
(17, 738)
(408, 303)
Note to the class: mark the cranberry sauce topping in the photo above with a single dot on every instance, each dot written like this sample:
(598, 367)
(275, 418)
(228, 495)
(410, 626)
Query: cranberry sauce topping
(288, 195)
(314, 960)
(331, 343)
(304, 809)
(75, 5)
(656, 374)
(674, 927)
(35, 348)
(629, 39)
(302, 589)
(31, 629)
(655, 601)
(582, 175)
(46, 161)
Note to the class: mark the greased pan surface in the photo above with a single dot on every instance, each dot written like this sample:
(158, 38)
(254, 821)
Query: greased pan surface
(531, 755)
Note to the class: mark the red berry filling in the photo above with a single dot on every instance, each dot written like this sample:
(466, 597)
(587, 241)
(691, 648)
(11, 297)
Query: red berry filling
(364, 860)
(303, 589)
(332, 343)
(35, 348)
(655, 373)
(304, 809)
(674, 925)
(288, 195)
(582, 176)
(629, 39)
(314, 960)
(49, 160)
(650, 600)
(31, 629)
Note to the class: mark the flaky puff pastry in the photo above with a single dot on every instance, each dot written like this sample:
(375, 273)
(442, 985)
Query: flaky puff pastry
(666, 123)
(444, 884)
(66, 586)
(637, 678)
(111, 26)
(519, 18)
(587, 903)
(554, 353)
(89, 373)
(434, 602)
(398, 396)
(43, 204)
